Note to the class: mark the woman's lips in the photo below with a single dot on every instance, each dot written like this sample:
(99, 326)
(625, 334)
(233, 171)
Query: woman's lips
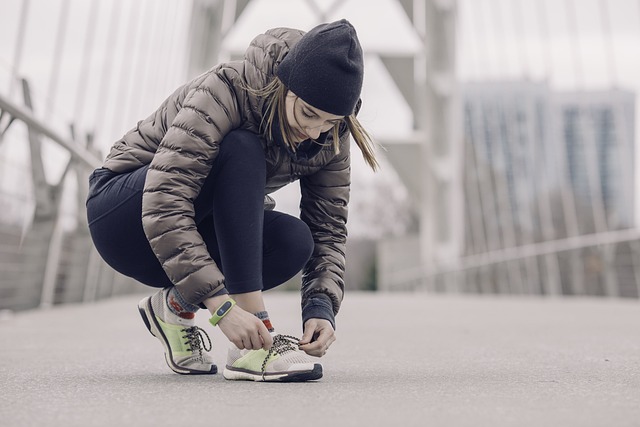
(300, 135)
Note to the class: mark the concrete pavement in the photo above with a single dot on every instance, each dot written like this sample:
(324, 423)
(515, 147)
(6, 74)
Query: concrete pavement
(400, 360)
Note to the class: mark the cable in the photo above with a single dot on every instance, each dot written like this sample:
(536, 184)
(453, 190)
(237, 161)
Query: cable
(177, 58)
(58, 52)
(160, 64)
(145, 82)
(121, 81)
(518, 19)
(466, 38)
(576, 50)
(81, 89)
(500, 38)
(107, 67)
(544, 32)
(166, 57)
(482, 30)
(606, 29)
(17, 54)
(133, 80)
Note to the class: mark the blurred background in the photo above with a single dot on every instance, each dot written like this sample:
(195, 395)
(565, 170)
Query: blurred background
(507, 132)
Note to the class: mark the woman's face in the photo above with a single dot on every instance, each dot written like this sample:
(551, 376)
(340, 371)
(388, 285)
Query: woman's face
(306, 121)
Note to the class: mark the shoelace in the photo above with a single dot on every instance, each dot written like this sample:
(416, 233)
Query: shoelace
(281, 345)
(195, 339)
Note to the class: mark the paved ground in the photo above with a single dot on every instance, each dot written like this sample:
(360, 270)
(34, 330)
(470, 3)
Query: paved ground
(400, 360)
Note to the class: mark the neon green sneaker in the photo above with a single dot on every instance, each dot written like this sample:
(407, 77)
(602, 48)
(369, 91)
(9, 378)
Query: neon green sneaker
(183, 341)
(284, 362)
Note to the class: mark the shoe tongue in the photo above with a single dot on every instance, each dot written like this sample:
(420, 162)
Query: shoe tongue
(285, 343)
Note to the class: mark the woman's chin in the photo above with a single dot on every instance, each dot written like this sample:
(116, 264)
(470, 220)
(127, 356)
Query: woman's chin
(299, 136)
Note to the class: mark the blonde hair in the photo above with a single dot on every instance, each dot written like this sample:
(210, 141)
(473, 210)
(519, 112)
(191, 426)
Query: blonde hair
(275, 95)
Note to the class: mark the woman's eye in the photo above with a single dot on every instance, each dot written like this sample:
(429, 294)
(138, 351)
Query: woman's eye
(309, 116)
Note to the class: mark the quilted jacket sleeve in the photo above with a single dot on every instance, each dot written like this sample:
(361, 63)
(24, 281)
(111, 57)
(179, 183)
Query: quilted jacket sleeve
(324, 207)
(176, 174)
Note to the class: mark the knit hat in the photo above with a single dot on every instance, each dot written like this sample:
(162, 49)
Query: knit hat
(325, 68)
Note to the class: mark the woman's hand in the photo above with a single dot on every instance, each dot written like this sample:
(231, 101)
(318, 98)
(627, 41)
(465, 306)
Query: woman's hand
(245, 330)
(317, 337)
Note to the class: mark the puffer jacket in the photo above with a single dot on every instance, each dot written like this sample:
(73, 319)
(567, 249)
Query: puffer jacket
(180, 141)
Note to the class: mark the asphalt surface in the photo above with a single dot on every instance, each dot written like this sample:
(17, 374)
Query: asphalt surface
(400, 360)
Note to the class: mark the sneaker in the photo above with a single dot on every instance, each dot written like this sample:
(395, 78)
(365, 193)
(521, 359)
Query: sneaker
(284, 362)
(183, 341)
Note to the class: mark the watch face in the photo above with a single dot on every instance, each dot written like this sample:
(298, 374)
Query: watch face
(223, 308)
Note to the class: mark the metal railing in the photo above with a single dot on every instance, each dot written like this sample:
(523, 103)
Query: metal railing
(51, 260)
(81, 63)
(602, 264)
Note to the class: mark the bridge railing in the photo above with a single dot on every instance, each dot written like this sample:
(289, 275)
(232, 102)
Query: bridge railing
(74, 76)
(602, 264)
(46, 254)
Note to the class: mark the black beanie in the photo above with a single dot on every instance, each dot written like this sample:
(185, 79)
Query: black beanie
(325, 68)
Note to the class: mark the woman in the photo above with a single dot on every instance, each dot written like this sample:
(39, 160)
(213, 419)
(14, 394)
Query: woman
(181, 201)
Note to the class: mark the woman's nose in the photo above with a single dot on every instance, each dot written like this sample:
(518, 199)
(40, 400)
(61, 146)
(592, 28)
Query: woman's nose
(313, 133)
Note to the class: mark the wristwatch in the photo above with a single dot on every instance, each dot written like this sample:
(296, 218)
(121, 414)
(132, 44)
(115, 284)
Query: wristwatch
(222, 311)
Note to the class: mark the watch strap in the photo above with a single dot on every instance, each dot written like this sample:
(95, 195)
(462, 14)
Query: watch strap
(222, 311)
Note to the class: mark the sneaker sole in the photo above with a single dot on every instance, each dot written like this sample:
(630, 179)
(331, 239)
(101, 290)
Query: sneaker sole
(234, 374)
(149, 319)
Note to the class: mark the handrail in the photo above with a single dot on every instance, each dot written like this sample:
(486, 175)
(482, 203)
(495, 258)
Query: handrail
(77, 151)
(541, 248)
(516, 253)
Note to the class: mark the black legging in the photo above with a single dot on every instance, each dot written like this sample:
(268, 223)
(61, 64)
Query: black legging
(254, 248)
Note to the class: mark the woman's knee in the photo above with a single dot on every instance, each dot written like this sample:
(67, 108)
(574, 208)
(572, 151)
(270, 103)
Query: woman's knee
(288, 247)
(290, 237)
(304, 240)
(244, 144)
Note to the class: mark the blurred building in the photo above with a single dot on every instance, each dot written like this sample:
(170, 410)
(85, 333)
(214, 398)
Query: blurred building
(549, 194)
(543, 165)
(508, 149)
(597, 130)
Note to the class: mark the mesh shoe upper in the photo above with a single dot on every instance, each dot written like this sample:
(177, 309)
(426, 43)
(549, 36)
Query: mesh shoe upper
(283, 360)
(185, 343)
